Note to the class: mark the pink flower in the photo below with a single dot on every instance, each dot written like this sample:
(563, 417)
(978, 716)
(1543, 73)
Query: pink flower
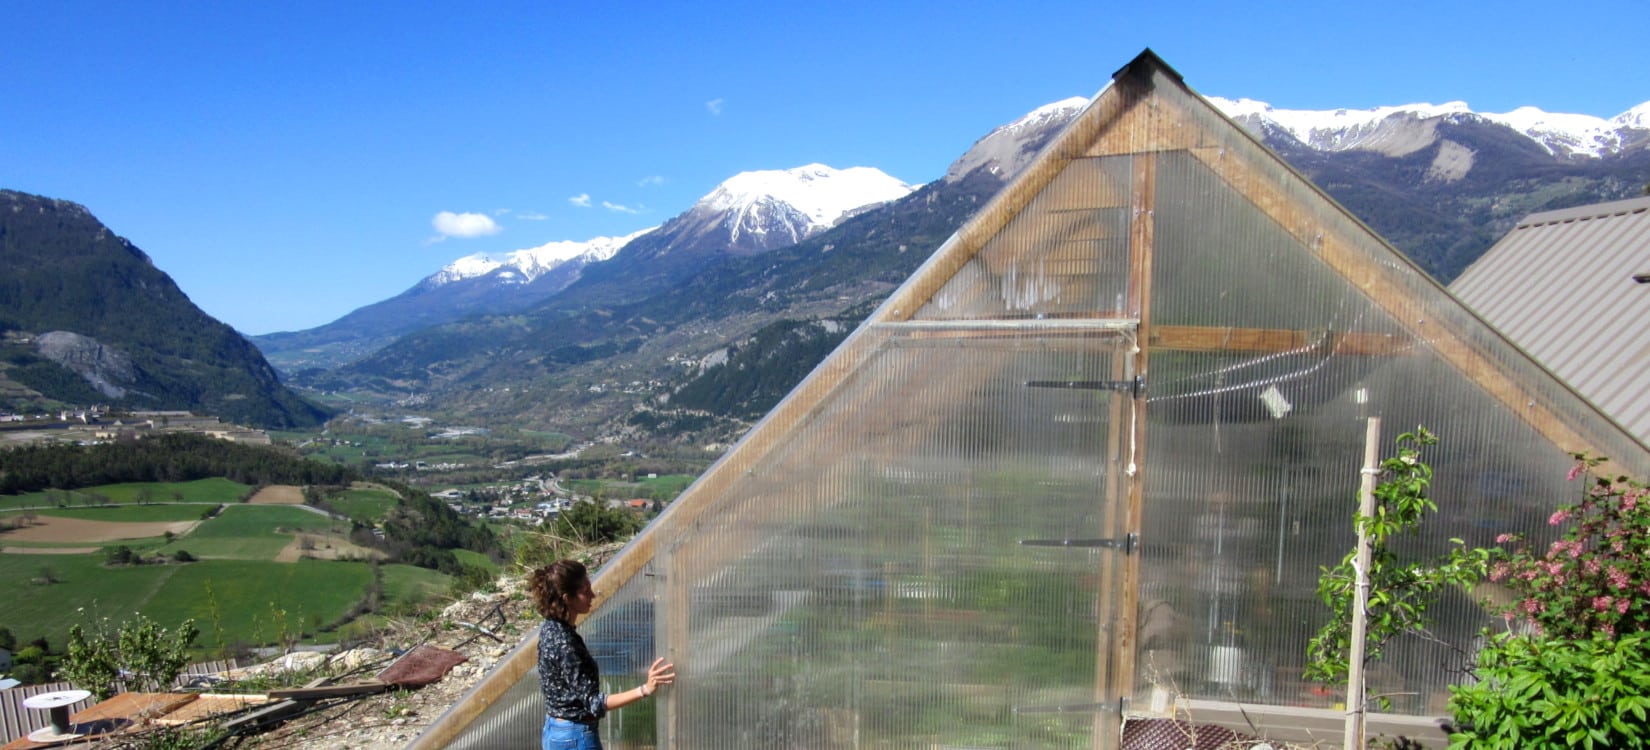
(1591, 565)
(1504, 538)
(1609, 630)
(1530, 606)
(1621, 606)
(1618, 579)
(1603, 603)
(1629, 502)
(1558, 517)
(1575, 471)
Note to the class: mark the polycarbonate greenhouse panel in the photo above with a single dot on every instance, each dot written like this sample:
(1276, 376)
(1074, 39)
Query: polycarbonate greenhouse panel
(1065, 255)
(899, 571)
(1267, 360)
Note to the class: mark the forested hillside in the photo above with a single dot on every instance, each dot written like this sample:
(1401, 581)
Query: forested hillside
(85, 317)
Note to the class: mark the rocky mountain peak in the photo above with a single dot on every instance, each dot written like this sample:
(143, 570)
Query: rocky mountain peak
(757, 211)
(1007, 149)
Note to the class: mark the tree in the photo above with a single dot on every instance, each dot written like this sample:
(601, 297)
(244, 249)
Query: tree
(1400, 591)
(591, 523)
(140, 655)
(7, 640)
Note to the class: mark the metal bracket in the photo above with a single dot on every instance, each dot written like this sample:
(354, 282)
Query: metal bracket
(1135, 386)
(1128, 543)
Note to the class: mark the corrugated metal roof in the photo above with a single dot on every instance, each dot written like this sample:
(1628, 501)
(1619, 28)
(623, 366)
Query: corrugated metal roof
(1561, 286)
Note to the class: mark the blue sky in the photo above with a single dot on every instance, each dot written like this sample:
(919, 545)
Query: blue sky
(286, 162)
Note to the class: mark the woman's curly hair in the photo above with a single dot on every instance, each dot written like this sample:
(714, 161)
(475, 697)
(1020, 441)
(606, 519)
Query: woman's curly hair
(554, 586)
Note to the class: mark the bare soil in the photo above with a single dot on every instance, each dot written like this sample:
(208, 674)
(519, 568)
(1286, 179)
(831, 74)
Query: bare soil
(324, 547)
(278, 494)
(76, 530)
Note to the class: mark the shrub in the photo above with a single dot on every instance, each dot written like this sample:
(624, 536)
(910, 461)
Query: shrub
(1581, 677)
(1595, 580)
(1553, 692)
(140, 655)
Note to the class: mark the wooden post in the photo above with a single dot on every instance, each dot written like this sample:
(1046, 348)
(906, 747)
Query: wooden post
(1354, 739)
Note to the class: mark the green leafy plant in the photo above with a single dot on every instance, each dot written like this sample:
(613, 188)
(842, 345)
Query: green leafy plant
(1400, 590)
(1574, 670)
(1554, 692)
(1596, 579)
(139, 654)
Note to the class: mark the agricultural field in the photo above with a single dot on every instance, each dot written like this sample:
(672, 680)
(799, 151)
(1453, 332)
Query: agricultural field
(665, 487)
(365, 503)
(211, 491)
(255, 579)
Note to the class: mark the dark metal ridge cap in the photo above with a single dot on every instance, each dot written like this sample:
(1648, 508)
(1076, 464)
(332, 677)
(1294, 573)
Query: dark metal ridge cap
(1144, 64)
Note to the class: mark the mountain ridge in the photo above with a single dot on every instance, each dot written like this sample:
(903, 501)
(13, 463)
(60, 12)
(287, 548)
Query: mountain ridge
(88, 318)
(747, 214)
(605, 355)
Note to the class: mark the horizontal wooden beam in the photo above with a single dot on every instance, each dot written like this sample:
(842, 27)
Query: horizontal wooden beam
(1271, 340)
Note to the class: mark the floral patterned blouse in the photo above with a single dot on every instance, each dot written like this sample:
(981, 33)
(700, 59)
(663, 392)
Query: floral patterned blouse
(568, 675)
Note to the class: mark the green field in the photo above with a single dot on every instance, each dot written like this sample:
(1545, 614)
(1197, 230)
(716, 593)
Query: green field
(368, 506)
(256, 602)
(125, 513)
(198, 491)
(252, 532)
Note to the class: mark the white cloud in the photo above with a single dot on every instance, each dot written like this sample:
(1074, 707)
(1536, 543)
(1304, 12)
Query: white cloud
(715, 105)
(651, 180)
(582, 200)
(450, 224)
(532, 216)
(617, 208)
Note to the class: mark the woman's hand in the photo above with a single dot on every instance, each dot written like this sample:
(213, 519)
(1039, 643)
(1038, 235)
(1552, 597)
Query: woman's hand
(661, 673)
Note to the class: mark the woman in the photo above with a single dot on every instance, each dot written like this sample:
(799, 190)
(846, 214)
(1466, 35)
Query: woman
(573, 700)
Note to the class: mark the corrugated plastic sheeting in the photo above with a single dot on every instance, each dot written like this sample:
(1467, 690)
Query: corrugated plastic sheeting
(1066, 253)
(1245, 501)
(867, 579)
(621, 636)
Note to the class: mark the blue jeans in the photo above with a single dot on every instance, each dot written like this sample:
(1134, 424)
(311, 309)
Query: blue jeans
(561, 734)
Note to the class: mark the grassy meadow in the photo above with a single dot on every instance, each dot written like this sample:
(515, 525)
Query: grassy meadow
(199, 491)
(365, 504)
(237, 591)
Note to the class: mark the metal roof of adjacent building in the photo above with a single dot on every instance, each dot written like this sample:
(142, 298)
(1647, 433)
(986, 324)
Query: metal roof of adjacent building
(1572, 288)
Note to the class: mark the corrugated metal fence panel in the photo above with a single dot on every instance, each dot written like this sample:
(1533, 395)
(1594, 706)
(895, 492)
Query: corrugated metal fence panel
(17, 721)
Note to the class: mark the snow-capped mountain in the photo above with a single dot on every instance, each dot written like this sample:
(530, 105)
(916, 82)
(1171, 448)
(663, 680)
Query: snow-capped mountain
(751, 212)
(1007, 149)
(1403, 129)
(527, 266)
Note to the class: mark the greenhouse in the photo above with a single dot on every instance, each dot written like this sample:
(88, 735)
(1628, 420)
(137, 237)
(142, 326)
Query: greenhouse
(1080, 471)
